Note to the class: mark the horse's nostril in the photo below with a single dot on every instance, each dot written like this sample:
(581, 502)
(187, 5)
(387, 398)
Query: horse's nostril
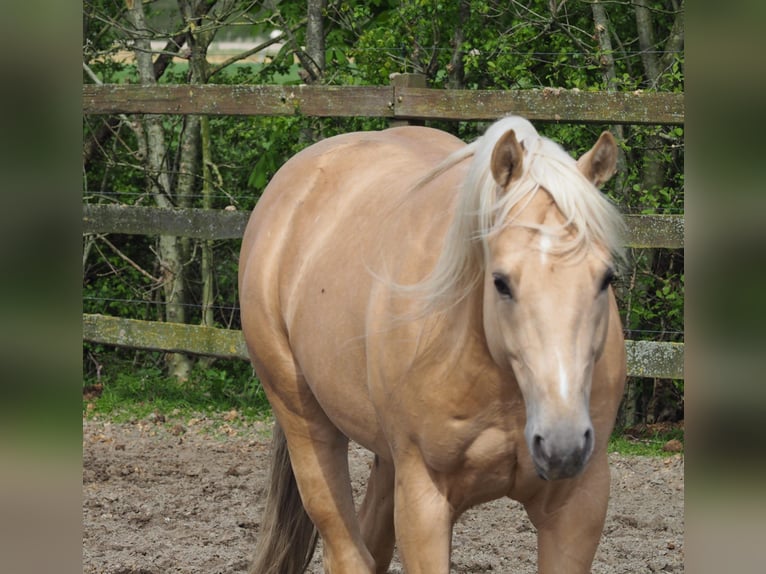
(588, 441)
(537, 445)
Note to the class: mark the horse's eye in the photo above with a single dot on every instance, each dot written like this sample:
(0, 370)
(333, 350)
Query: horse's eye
(607, 280)
(501, 284)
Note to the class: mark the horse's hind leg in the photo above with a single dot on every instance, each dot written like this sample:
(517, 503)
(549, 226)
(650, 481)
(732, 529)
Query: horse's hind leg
(320, 463)
(319, 457)
(376, 514)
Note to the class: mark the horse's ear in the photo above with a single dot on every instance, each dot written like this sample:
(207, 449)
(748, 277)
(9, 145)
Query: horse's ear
(600, 162)
(507, 158)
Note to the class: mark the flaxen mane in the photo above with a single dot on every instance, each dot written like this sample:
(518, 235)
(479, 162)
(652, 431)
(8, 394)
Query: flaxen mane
(483, 209)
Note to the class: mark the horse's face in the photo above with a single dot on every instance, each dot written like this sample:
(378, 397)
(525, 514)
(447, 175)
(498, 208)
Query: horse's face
(545, 319)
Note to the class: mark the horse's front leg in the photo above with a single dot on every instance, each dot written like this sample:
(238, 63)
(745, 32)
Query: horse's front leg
(569, 518)
(423, 519)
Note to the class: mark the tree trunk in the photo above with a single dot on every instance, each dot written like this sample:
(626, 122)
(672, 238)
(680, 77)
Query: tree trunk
(315, 45)
(158, 179)
(653, 169)
(675, 41)
(630, 403)
(188, 163)
(456, 68)
(208, 292)
(196, 148)
(646, 42)
(654, 69)
(607, 64)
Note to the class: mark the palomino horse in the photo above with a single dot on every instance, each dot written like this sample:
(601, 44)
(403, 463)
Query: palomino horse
(449, 308)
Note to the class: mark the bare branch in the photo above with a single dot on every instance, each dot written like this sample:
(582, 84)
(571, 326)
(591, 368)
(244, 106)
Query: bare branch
(255, 50)
(129, 261)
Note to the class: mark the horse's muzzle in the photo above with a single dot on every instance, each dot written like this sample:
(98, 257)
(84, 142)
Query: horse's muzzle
(558, 455)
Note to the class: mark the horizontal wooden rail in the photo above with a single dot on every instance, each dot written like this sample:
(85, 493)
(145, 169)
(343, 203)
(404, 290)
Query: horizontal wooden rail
(653, 231)
(238, 100)
(170, 337)
(180, 222)
(661, 360)
(546, 105)
(644, 231)
(645, 358)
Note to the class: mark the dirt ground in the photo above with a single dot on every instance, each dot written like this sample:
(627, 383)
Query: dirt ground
(162, 497)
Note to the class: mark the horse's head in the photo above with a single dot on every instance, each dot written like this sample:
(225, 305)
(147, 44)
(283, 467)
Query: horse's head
(547, 288)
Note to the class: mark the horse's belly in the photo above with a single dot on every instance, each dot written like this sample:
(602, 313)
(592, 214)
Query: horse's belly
(326, 326)
(337, 379)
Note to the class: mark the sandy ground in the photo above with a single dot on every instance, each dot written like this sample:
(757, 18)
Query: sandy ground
(162, 497)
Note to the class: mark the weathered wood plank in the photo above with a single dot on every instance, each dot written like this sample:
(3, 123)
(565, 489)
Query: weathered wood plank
(407, 103)
(546, 105)
(181, 222)
(644, 230)
(651, 231)
(645, 358)
(654, 359)
(170, 337)
(239, 100)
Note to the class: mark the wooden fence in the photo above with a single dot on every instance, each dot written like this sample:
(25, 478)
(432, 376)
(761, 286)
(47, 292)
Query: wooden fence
(405, 100)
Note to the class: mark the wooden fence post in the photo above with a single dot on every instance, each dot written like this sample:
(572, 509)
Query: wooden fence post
(399, 80)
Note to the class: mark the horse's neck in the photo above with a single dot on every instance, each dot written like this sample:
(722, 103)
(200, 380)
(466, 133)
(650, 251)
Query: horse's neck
(459, 329)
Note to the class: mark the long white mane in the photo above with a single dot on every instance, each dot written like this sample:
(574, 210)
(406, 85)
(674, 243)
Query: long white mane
(483, 209)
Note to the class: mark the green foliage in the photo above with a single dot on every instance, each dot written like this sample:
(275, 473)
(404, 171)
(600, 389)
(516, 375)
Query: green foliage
(650, 445)
(127, 394)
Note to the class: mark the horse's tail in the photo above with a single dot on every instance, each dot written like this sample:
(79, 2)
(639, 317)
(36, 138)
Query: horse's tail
(288, 537)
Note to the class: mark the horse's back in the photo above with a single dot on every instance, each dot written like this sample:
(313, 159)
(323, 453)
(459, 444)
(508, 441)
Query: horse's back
(334, 183)
(313, 248)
